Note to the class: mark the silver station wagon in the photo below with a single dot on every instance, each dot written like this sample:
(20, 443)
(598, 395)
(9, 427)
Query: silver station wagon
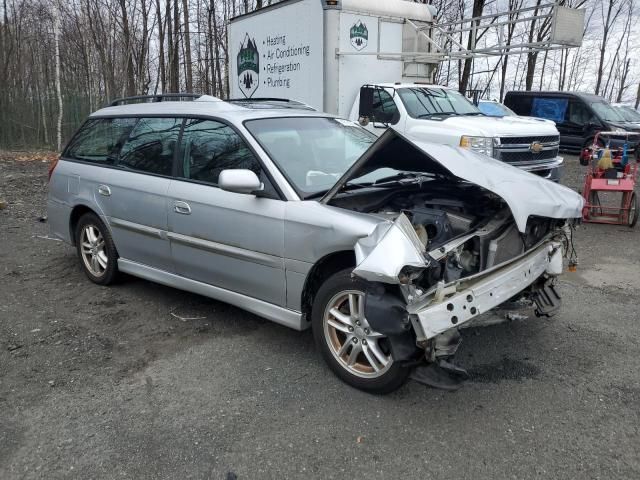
(384, 246)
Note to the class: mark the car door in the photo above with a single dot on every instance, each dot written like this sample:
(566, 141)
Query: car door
(229, 240)
(133, 196)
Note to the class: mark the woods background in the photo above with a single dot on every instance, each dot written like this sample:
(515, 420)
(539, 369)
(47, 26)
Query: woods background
(62, 59)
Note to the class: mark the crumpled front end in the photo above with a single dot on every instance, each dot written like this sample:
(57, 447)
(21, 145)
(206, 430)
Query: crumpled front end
(459, 234)
(394, 255)
(420, 298)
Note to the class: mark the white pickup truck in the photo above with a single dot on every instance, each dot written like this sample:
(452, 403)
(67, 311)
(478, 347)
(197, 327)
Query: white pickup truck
(370, 61)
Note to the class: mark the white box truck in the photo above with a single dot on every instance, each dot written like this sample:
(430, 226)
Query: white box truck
(371, 61)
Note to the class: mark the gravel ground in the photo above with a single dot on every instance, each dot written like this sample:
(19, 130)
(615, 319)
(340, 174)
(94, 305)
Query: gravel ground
(110, 383)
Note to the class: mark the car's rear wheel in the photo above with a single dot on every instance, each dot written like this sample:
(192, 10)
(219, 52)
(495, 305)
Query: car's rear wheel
(354, 351)
(97, 253)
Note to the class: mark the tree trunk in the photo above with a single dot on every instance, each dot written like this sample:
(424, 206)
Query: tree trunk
(187, 47)
(126, 33)
(176, 47)
(161, 31)
(478, 7)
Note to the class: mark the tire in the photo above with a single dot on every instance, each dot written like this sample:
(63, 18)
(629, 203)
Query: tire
(353, 341)
(97, 253)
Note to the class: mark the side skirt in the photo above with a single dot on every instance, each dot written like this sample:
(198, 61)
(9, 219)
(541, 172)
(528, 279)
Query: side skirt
(283, 316)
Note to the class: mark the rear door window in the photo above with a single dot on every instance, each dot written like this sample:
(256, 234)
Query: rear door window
(151, 146)
(100, 140)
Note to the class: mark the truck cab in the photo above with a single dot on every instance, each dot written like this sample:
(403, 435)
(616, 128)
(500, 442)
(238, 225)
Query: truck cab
(442, 115)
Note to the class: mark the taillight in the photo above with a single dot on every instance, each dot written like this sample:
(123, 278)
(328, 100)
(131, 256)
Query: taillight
(52, 166)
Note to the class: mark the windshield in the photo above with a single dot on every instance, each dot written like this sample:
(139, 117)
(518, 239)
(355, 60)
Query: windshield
(422, 102)
(495, 109)
(312, 152)
(606, 112)
(629, 114)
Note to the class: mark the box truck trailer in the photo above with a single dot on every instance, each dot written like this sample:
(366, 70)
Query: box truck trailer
(373, 61)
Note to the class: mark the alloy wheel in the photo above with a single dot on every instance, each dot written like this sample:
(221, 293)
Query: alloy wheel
(355, 345)
(93, 250)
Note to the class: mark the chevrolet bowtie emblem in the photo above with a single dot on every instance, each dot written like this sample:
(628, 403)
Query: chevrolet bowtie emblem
(535, 147)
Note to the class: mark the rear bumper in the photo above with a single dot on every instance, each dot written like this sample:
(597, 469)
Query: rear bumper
(478, 295)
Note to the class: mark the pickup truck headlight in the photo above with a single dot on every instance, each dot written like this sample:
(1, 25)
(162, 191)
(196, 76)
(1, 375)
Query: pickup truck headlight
(482, 145)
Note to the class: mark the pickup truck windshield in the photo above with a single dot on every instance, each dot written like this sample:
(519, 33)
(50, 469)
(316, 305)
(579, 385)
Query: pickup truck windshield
(425, 102)
(312, 152)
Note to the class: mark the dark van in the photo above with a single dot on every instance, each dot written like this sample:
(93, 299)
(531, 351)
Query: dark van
(578, 116)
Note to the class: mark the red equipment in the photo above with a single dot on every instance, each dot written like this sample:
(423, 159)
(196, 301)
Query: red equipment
(621, 178)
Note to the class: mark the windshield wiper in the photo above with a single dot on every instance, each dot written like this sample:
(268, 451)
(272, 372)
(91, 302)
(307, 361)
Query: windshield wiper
(436, 114)
(473, 113)
(399, 177)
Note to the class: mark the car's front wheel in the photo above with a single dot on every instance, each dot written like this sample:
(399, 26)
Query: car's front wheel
(98, 255)
(355, 352)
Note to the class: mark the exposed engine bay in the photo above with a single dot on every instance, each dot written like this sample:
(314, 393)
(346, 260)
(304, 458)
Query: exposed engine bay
(462, 228)
(459, 235)
(457, 252)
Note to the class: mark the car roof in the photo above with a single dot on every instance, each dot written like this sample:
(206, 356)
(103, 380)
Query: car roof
(583, 95)
(210, 107)
(410, 85)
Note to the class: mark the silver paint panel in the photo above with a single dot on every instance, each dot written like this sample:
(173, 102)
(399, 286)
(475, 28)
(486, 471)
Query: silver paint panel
(231, 240)
(283, 316)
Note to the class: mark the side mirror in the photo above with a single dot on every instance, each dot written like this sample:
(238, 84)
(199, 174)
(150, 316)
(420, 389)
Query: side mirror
(239, 181)
(366, 102)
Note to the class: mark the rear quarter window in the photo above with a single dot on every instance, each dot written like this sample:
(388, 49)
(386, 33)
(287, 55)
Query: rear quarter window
(100, 140)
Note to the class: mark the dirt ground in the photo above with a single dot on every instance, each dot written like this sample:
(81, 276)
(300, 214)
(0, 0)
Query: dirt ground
(100, 382)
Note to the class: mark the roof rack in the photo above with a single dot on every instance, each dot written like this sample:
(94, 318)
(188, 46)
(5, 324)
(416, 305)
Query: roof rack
(155, 98)
(258, 100)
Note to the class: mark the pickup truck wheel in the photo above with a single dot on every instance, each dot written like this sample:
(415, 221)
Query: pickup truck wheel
(354, 351)
(97, 253)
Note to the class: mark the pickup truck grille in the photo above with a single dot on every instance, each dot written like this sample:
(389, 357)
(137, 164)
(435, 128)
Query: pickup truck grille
(527, 150)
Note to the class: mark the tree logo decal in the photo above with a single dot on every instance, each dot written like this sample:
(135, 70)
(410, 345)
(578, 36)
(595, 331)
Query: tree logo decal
(248, 66)
(359, 35)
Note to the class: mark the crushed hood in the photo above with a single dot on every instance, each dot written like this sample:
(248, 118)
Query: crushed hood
(526, 194)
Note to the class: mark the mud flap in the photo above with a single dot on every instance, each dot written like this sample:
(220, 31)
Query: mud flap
(441, 374)
(386, 312)
(547, 300)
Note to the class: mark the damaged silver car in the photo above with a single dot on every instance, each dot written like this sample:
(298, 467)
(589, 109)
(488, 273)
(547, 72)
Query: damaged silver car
(384, 246)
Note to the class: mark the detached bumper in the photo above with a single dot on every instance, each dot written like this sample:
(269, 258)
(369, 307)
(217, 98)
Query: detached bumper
(480, 294)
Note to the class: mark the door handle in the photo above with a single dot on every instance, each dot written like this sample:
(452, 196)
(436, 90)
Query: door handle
(182, 207)
(104, 190)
